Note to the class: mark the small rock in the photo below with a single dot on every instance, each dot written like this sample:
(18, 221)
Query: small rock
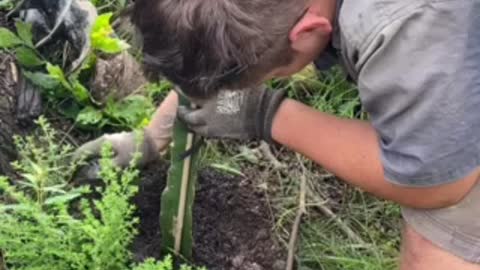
(238, 261)
(279, 265)
(252, 266)
(262, 235)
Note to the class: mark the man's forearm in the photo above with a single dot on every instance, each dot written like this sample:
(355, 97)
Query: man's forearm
(350, 150)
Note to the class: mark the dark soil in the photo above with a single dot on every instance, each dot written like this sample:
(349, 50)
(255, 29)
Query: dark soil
(232, 224)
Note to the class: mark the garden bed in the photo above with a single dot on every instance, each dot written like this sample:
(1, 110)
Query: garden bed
(232, 223)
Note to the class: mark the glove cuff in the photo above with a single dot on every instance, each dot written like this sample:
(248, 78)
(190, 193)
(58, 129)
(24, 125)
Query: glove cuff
(270, 102)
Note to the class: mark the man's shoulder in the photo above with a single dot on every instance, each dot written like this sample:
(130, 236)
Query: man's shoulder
(366, 26)
(361, 20)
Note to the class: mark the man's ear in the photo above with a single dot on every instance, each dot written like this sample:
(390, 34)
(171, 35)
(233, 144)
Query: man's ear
(310, 23)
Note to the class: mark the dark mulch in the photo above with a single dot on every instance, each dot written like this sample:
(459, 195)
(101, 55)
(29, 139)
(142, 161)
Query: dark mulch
(232, 224)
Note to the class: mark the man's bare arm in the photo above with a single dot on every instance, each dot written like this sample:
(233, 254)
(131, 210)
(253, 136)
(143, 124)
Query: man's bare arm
(350, 150)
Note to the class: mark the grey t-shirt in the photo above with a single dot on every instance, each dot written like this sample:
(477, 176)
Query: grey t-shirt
(417, 65)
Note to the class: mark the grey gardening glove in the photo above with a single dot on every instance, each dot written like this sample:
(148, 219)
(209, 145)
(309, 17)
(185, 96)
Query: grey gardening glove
(156, 138)
(235, 114)
(124, 145)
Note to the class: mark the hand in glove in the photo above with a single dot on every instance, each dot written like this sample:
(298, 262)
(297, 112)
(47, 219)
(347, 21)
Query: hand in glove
(156, 138)
(235, 114)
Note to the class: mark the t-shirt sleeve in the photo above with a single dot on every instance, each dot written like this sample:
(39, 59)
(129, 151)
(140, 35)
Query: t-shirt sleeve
(420, 84)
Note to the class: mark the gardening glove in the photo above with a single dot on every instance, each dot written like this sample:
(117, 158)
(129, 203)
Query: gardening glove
(156, 138)
(235, 114)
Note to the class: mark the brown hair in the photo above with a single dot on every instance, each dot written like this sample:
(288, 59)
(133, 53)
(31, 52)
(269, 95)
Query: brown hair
(205, 45)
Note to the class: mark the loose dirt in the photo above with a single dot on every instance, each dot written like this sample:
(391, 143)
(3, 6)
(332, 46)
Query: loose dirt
(232, 224)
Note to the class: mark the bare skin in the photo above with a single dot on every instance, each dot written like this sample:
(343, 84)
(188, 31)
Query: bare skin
(420, 254)
(160, 128)
(350, 150)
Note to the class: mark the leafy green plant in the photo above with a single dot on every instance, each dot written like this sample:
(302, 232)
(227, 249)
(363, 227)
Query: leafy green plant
(43, 170)
(21, 45)
(66, 92)
(166, 264)
(47, 223)
(176, 215)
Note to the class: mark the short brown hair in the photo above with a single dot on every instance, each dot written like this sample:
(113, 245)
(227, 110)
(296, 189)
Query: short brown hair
(205, 45)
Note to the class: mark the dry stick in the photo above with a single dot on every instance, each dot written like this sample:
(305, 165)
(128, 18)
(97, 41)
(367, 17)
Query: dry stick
(298, 219)
(267, 152)
(344, 227)
(15, 10)
(183, 196)
(340, 223)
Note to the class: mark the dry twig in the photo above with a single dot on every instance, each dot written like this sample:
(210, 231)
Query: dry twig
(267, 153)
(302, 209)
(341, 224)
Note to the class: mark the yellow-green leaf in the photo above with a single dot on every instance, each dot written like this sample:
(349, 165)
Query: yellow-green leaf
(102, 36)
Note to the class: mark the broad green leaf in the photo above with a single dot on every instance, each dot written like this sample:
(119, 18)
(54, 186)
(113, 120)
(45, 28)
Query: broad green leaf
(8, 39)
(27, 57)
(102, 36)
(89, 116)
(24, 31)
(43, 80)
(60, 199)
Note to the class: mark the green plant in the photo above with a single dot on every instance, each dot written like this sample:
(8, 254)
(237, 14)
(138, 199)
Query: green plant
(41, 230)
(66, 92)
(47, 223)
(102, 36)
(178, 197)
(43, 170)
(327, 91)
(21, 45)
(166, 264)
